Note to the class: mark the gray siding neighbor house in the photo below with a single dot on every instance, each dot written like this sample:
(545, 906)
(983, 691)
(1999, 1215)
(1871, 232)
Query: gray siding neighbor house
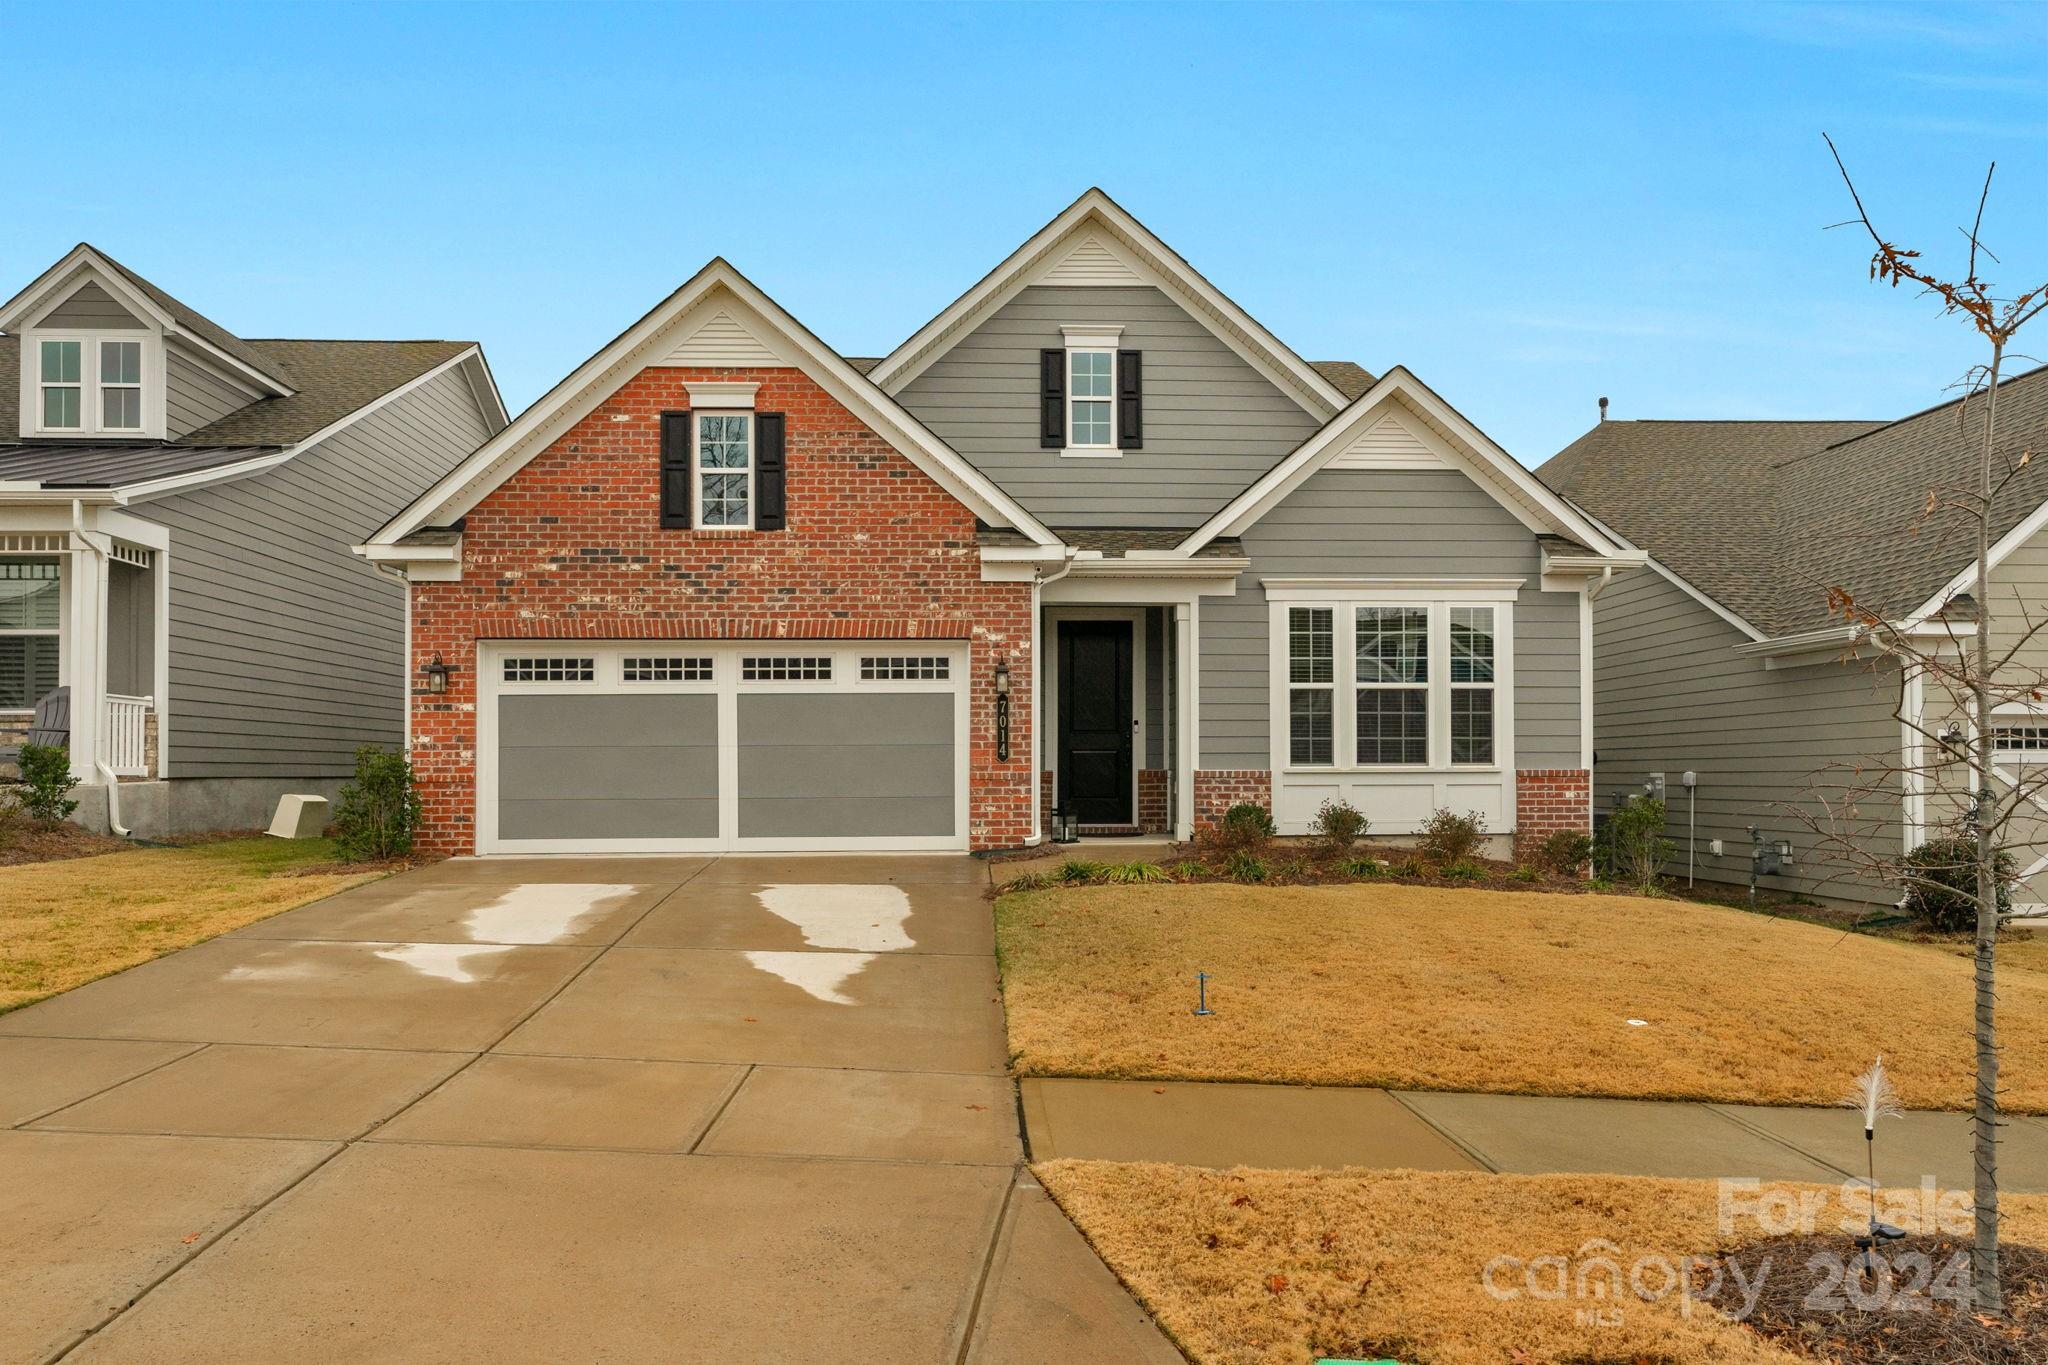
(176, 509)
(1729, 661)
(1154, 562)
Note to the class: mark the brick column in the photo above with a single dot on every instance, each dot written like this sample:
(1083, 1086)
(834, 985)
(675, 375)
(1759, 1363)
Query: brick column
(1548, 800)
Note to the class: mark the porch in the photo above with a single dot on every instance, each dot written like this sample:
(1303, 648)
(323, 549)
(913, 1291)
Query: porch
(84, 607)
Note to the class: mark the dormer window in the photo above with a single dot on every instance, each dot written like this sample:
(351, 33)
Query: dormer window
(89, 384)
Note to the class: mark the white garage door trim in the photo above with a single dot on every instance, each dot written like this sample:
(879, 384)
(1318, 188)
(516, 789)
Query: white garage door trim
(726, 684)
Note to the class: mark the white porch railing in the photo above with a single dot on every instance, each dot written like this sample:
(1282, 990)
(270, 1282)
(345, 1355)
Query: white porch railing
(127, 735)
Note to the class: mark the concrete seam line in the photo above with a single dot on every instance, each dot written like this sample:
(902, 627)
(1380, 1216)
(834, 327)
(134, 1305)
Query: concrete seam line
(191, 1051)
(972, 1318)
(724, 1104)
(1446, 1134)
(1769, 1136)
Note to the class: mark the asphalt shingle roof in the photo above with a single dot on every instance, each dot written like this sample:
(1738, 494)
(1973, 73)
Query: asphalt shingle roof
(1765, 516)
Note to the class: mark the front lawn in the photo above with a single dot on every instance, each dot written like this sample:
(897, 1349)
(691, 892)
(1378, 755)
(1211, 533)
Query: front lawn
(1434, 989)
(63, 924)
(1252, 1267)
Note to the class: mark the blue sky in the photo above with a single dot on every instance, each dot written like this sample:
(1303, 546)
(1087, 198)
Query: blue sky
(1529, 206)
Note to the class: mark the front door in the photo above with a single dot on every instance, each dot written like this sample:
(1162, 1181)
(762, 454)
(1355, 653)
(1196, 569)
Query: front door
(1095, 721)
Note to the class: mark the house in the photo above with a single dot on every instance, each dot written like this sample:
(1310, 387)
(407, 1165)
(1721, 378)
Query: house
(1728, 661)
(1093, 539)
(177, 505)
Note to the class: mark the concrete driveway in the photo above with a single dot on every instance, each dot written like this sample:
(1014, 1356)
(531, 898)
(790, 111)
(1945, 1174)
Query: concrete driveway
(737, 1109)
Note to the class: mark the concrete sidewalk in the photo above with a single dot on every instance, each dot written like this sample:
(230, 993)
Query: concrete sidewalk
(1221, 1125)
(549, 1109)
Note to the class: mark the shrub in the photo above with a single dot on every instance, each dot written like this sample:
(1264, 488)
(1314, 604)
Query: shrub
(1027, 881)
(1136, 872)
(1338, 825)
(1296, 869)
(1190, 870)
(380, 810)
(1449, 838)
(1565, 852)
(1363, 867)
(1525, 873)
(1464, 869)
(1409, 867)
(1941, 885)
(1632, 848)
(1244, 866)
(1080, 871)
(46, 782)
(1244, 828)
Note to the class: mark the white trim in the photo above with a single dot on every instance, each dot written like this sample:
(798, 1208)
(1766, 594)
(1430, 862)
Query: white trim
(1914, 802)
(1156, 263)
(1092, 336)
(1102, 343)
(1491, 468)
(1187, 677)
(1392, 590)
(598, 377)
(698, 472)
(727, 686)
(2029, 526)
(726, 395)
(1054, 617)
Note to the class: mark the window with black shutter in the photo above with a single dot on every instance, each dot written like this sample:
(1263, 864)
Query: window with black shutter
(1052, 404)
(771, 497)
(1130, 400)
(675, 470)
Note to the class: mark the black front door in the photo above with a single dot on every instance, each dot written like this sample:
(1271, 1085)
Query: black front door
(1095, 721)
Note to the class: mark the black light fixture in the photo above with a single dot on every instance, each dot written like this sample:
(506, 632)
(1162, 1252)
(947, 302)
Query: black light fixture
(437, 675)
(1066, 829)
(1002, 711)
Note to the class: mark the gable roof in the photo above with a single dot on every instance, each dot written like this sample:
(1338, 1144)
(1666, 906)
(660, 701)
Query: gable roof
(1465, 446)
(177, 319)
(1764, 516)
(595, 379)
(1240, 330)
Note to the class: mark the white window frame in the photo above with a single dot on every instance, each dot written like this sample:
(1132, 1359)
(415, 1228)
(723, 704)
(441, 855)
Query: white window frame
(101, 386)
(1328, 687)
(697, 470)
(1436, 599)
(1092, 339)
(1491, 686)
(55, 633)
(91, 406)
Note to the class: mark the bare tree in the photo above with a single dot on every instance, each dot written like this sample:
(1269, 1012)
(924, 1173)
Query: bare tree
(1950, 769)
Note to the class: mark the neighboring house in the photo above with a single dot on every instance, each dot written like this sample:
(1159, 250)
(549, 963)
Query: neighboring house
(176, 510)
(1727, 660)
(1093, 539)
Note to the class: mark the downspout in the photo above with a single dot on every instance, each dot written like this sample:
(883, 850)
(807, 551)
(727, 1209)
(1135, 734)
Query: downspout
(99, 761)
(1606, 577)
(1039, 580)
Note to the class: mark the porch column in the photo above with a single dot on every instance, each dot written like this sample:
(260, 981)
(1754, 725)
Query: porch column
(1187, 719)
(83, 652)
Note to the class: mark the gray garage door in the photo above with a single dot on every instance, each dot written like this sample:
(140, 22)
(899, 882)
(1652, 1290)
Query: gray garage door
(846, 765)
(583, 766)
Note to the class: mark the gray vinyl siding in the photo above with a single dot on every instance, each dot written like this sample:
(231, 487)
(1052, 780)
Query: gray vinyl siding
(92, 307)
(1388, 523)
(286, 650)
(194, 396)
(131, 630)
(1670, 696)
(1213, 424)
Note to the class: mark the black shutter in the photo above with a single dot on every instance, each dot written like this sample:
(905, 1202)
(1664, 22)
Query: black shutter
(1130, 400)
(771, 494)
(1052, 399)
(675, 469)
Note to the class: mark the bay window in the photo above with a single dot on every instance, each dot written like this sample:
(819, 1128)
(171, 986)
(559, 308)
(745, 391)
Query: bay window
(30, 609)
(1404, 679)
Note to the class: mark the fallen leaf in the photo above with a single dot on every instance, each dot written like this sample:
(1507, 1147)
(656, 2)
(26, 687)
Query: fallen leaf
(1159, 1090)
(190, 1238)
(977, 1108)
(1276, 1283)
(1240, 1201)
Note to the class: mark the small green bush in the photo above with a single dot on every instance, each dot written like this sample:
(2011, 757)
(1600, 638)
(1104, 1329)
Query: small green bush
(1245, 867)
(1941, 884)
(46, 782)
(1244, 828)
(1566, 852)
(1081, 871)
(1028, 881)
(380, 810)
(1190, 870)
(1128, 873)
(1363, 867)
(1337, 826)
(1448, 837)
(1525, 873)
(1296, 869)
(1632, 848)
(1409, 867)
(1464, 869)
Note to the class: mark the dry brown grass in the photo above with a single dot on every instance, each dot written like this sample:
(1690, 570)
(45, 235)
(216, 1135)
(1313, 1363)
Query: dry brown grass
(1253, 1267)
(1423, 988)
(63, 924)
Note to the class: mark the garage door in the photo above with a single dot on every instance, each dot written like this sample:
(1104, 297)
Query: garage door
(638, 748)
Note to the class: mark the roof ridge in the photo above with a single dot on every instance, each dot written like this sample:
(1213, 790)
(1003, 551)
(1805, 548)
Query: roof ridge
(1914, 416)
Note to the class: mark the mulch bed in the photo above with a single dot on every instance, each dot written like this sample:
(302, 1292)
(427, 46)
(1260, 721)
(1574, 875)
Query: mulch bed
(1300, 862)
(1806, 1305)
(33, 841)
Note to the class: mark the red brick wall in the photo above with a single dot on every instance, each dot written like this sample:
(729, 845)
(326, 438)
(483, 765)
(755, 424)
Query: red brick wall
(1152, 813)
(1218, 789)
(1548, 800)
(571, 547)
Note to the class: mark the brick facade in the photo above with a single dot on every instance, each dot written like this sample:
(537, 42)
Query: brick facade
(1218, 789)
(571, 547)
(1548, 800)
(1153, 817)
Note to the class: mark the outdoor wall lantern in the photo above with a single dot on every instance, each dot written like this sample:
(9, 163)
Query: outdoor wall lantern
(1066, 828)
(437, 675)
(1002, 711)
